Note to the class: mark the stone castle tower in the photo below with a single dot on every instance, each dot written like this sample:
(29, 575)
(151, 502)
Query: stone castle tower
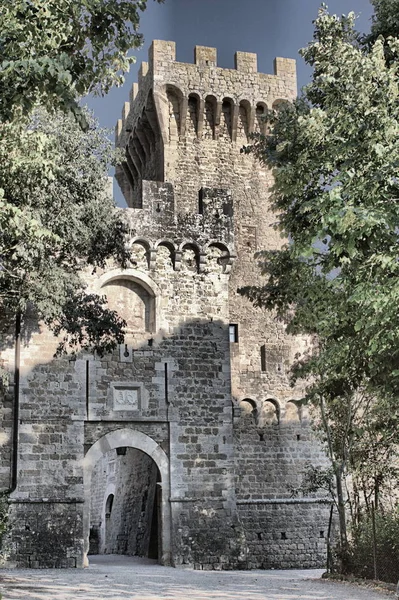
(185, 443)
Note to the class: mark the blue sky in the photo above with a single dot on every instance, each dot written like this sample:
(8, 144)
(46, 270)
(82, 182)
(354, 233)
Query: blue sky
(268, 27)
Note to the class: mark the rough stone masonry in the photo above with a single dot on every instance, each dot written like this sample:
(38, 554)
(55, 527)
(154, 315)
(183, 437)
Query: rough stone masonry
(185, 442)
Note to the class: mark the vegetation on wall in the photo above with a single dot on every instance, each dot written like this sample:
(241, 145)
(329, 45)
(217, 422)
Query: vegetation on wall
(3, 524)
(334, 154)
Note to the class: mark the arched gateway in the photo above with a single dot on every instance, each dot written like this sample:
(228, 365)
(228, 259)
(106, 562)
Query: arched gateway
(129, 438)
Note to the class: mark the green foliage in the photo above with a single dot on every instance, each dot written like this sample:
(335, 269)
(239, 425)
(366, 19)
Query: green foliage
(334, 154)
(385, 19)
(386, 546)
(314, 480)
(56, 220)
(54, 51)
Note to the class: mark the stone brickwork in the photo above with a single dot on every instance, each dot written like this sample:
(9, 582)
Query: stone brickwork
(201, 383)
(124, 514)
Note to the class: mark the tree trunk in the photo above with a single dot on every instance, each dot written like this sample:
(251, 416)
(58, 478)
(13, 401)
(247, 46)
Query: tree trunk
(343, 535)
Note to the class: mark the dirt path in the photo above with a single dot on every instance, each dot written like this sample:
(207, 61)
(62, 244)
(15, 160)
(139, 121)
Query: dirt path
(128, 578)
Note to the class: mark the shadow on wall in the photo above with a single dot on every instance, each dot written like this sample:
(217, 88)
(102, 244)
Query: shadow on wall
(67, 405)
(70, 406)
(124, 513)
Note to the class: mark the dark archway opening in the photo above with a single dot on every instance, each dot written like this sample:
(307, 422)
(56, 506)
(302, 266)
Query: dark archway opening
(125, 505)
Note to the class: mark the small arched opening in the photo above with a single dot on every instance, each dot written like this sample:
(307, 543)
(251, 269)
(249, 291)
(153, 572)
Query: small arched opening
(270, 412)
(210, 118)
(249, 410)
(166, 255)
(226, 124)
(193, 114)
(190, 258)
(292, 411)
(244, 117)
(174, 96)
(217, 257)
(139, 253)
(107, 521)
(260, 122)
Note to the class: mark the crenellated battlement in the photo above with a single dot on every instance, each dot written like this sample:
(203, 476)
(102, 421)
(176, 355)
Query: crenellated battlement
(175, 103)
(162, 61)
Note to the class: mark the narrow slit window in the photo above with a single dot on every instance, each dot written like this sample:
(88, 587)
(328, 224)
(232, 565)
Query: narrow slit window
(233, 333)
(263, 358)
(201, 201)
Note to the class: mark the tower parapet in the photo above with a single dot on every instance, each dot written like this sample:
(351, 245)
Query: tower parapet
(175, 103)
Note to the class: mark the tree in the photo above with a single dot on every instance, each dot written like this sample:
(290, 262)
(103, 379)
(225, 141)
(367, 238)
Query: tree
(385, 20)
(56, 220)
(334, 154)
(55, 217)
(52, 52)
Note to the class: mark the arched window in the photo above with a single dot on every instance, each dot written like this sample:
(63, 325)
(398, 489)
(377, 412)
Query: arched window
(108, 506)
(193, 114)
(132, 302)
(226, 124)
(210, 117)
(261, 111)
(243, 119)
(174, 96)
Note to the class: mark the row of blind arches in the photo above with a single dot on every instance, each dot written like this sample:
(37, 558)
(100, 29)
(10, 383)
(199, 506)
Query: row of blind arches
(269, 411)
(188, 255)
(210, 118)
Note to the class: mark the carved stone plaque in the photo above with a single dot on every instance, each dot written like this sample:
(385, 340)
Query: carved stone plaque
(126, 397)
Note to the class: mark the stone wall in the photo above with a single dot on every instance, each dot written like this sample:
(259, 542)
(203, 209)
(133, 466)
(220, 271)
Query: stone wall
(284, 534)
(272, 452)
(123, 499)
(196, 353)
(47, 533)
(205, 116)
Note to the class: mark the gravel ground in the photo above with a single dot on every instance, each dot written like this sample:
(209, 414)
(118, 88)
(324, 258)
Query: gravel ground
(128, 578)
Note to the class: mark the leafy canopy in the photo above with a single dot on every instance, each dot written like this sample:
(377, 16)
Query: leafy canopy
(335, 156)
(57, 218)
(54, 51)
